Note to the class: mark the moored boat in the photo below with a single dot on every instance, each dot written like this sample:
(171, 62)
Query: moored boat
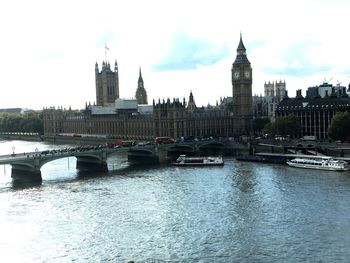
(321, 163)
(182, 160)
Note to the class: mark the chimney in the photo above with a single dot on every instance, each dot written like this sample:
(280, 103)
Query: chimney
(344, 92)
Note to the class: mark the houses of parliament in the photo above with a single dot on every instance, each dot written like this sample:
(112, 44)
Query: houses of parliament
(136, 119)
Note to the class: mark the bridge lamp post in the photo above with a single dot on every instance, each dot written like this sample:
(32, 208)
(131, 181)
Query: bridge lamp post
(13, 150)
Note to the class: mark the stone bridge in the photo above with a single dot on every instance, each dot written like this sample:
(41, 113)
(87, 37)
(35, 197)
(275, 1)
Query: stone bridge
(26, 166)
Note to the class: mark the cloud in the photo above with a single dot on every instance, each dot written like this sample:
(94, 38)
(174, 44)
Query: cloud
(299, 59)
(187, 53)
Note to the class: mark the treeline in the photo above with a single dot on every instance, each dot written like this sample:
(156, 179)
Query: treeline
(30, 121)
(284, 126)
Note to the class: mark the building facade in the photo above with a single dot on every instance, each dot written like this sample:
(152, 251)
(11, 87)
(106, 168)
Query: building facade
(168, 118)
(264, 107)
(314, 112)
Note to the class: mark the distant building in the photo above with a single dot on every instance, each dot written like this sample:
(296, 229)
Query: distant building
(265, 106)
(134, 119)
(275, 89)
(166, 118)
(325, 89)
(315, 112)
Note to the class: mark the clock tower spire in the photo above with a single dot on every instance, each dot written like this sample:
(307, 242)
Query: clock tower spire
(242, 80)
(141, 94)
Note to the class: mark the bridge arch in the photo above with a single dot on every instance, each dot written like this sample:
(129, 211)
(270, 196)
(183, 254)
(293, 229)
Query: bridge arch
(28, 167)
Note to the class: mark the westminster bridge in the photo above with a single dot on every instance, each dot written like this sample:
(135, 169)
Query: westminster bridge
(27, 166)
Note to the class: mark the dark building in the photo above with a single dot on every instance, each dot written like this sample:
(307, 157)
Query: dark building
(314, 112)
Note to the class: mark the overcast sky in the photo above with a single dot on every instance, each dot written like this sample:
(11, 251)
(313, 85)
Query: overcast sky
(48, 49)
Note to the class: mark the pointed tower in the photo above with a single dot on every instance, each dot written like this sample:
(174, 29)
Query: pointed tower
(191, 106)
(141, 95)
(242, 80)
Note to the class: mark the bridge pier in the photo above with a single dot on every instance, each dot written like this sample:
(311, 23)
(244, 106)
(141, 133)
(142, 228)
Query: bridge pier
(87, 163)
(23, 174)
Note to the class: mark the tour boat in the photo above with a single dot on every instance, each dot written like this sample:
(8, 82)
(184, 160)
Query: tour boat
(321, 163)
(182, 160)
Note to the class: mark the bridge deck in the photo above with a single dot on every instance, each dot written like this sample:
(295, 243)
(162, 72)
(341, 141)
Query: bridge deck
(27, 156)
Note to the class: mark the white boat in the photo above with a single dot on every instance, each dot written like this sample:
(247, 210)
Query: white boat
(320, 163)
(182, 160)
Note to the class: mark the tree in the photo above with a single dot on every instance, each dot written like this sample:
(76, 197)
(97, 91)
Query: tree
(340, 127)
(269, 128)
(30, 121)
(288, 125)
(259, 124)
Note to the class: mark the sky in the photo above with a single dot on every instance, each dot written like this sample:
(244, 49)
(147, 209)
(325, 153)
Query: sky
(48, 49)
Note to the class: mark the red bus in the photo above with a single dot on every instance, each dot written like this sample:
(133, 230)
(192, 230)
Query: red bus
(163, 140)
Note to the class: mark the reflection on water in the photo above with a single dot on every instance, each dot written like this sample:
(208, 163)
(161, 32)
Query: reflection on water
(20, 185)
(241, 212)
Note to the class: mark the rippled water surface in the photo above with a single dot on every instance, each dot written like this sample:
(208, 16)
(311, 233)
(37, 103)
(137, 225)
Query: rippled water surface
(241, 212)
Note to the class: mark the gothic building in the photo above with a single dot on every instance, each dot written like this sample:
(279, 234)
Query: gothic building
(107, 84)
(119, 118)
(280, 87)
(275, 89)
(242, 80)
(265, 106)
(141, 94)
(191, 106)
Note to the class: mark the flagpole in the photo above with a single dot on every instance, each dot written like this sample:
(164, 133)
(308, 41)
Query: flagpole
(105, 53)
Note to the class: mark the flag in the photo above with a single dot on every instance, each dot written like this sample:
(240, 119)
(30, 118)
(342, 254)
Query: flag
(106, 47)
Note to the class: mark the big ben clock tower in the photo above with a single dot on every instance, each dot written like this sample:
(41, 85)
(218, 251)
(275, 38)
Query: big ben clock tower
(242, 91)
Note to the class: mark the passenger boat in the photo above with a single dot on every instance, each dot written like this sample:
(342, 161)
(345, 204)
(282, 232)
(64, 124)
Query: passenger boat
(320, 163)
(182, 160)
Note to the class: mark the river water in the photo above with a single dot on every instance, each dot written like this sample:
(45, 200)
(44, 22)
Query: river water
(241, 212)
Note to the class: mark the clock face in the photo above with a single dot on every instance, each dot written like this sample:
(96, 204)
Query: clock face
(236, 75)
(247, 74)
